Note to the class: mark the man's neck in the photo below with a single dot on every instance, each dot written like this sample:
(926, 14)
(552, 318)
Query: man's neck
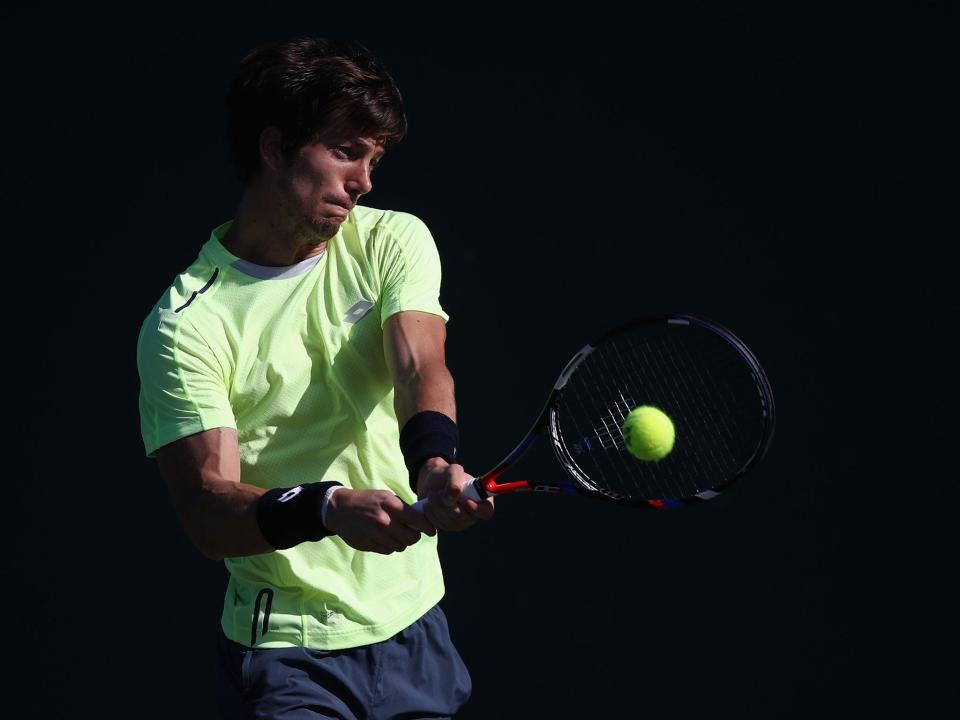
(262, 235)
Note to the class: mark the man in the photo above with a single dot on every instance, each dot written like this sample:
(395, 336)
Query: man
(295, 394)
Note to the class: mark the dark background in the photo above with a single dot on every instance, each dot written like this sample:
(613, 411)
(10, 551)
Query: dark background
(782, 171)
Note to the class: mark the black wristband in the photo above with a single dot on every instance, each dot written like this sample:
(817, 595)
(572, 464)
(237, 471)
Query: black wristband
(425, 435)
(290, 516)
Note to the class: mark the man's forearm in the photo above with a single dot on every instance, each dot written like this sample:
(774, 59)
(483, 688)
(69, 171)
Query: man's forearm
(431, 388)
(216, 510)
(224, 520)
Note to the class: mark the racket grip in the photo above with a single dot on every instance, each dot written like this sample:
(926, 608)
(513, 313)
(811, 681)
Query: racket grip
(471, 492)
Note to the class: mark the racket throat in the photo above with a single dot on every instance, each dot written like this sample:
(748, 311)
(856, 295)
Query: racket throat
(488, 485)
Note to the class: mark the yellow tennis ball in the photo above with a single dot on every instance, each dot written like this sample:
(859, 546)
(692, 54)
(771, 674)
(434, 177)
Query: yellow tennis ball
(648, 433)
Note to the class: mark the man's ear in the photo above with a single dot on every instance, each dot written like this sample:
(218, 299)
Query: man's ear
(271, 152)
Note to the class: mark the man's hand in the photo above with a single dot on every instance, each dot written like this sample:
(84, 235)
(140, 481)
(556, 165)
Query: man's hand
(447, 509)
(375, 520)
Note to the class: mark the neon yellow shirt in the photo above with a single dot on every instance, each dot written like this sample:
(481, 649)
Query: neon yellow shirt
(292, 358)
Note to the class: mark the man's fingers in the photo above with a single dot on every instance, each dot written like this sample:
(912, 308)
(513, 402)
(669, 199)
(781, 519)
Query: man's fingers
(398, 537)
(450, 496)
(449, 510)
(403, 515)
(443, 518)
(482, 510)
(403, 533)
(432, 512)
(390, 549)
(456, 520)
(418, 520)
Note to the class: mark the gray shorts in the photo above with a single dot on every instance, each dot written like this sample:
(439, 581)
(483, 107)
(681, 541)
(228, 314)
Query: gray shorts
(415, 674)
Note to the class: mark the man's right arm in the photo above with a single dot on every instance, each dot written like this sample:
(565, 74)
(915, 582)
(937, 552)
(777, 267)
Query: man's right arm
(219, 513)
(216, 510)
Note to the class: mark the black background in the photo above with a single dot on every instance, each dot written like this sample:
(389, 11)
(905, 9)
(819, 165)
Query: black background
(782, 171)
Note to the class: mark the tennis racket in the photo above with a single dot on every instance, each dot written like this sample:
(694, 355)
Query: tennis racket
(696, 371)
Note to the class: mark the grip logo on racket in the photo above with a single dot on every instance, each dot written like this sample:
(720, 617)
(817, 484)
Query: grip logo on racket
(702, 416)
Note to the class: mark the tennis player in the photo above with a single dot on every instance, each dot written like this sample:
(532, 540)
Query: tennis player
(295, 395)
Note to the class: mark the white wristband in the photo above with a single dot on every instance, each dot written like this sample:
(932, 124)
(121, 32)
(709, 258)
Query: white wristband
(326, 501)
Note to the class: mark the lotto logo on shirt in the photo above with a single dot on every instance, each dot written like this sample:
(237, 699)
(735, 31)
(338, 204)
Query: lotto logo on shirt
(355, 313)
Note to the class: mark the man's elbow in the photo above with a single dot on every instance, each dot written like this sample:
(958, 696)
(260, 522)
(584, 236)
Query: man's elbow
(215, 556)
(195, 522)
(202, 539)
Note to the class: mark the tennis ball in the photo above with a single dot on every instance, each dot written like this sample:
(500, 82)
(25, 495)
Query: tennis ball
(648, 433)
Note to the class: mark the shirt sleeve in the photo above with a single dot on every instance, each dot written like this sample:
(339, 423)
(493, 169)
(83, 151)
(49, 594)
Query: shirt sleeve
(182, 387)
(410, 268)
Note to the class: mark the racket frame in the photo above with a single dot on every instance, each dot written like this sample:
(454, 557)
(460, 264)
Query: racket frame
(547, 423)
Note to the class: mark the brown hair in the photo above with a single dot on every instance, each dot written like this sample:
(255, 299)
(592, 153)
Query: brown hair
(309, 88)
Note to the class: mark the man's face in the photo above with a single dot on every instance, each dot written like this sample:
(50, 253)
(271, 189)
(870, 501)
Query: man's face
(323, 182)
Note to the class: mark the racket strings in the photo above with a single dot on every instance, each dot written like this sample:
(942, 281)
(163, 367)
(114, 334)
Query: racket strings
(669, 477)
(709, 414)
(725, 433)
(698, 379)
(608, 373)
(617, 373)
(584, 447)
(610, 433)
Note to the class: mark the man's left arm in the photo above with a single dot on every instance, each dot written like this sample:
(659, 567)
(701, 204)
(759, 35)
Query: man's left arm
(414, 349)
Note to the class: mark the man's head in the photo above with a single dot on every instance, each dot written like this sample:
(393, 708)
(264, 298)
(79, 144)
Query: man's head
(311, 117)
(309, 89)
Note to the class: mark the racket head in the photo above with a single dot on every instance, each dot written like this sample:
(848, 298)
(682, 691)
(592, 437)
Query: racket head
(699, 373)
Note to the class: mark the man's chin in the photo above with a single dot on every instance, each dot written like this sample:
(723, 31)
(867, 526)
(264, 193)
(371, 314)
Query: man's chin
(324, 229)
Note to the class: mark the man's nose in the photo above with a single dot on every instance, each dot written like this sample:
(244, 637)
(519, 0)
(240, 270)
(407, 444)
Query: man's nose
(359, 180)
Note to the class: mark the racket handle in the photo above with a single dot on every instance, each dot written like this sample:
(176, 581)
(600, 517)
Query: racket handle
(470, 492)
